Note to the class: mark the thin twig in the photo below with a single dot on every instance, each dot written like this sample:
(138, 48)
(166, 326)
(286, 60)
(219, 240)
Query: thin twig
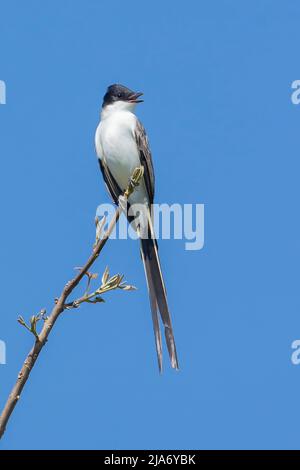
(60, 306)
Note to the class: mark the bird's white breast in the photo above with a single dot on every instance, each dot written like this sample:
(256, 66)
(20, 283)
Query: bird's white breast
(116, 145)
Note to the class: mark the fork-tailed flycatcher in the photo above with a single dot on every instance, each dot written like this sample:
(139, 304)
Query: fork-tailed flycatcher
(121, 146)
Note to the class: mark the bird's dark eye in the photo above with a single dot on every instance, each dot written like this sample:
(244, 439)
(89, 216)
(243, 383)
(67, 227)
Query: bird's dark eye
(119, 95)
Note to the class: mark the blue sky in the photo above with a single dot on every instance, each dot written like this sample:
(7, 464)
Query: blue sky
(217, 81)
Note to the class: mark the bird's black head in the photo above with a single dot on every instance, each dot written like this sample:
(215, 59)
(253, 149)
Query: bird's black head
(118, 92)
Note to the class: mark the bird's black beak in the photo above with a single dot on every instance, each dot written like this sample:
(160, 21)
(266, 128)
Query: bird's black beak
(134, 98)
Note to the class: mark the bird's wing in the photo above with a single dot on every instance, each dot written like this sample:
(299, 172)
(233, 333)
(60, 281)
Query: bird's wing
(111, 184)
(146, 158)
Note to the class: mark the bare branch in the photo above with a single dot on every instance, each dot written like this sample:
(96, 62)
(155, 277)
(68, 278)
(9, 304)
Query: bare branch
(61, 303)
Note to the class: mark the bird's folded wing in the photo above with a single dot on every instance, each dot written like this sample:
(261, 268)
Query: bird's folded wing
(111, 184)
(145, 158)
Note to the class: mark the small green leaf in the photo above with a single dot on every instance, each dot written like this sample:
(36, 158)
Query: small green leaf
(105, 276)
(96, 300)
(21, 320)
(99, 227)
(137, 175)
(127, 287)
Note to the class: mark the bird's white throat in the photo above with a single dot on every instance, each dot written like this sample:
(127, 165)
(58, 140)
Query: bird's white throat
(116, 107)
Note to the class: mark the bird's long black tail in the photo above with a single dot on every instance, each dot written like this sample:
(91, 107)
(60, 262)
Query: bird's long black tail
(158, 298)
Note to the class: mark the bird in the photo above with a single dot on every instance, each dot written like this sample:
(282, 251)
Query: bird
(121, 146)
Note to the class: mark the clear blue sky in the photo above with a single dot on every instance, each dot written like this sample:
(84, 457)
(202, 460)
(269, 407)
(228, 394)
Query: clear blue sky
(217, 81)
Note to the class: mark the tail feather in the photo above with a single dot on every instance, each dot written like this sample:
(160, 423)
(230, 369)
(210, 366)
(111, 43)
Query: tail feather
(153, 305)
(158, 298)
